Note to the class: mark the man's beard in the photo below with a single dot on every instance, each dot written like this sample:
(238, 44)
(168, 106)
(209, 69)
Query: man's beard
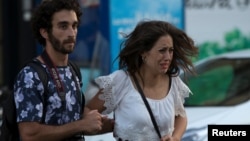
(58, 46)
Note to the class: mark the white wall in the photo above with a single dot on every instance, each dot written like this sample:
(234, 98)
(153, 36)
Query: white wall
(209, 20)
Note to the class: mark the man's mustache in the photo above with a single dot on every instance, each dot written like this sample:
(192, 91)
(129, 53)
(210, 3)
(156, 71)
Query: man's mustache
(70, 40)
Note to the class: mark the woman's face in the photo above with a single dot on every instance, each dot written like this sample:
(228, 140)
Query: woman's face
(159, 58)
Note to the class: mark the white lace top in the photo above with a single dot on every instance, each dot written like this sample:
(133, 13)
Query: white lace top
(132, 120)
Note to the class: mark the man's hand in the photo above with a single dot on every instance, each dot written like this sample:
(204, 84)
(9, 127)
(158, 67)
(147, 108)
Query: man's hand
(92, 122)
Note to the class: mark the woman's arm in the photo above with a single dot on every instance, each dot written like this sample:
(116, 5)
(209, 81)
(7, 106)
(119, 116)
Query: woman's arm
(179, 129)
(180, 126)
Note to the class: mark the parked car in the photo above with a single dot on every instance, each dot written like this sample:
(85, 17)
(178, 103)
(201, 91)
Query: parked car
(221, 93)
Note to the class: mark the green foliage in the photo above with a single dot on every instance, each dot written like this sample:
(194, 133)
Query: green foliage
(234, 40)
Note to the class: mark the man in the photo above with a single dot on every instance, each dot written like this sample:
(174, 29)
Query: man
(56, 115)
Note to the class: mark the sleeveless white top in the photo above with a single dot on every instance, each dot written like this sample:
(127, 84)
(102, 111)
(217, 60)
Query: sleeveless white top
(132, 120)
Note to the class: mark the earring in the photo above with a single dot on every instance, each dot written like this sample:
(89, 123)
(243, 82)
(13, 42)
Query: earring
(143, 59)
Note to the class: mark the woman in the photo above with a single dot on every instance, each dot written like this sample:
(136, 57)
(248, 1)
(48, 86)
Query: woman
(153, 52)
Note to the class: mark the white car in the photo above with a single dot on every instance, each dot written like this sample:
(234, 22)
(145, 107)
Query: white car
(221, 94)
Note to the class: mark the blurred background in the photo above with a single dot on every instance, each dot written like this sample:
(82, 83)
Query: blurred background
(217, 27)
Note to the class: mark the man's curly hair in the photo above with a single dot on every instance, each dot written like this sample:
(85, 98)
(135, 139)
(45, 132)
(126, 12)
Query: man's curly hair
(42, 16)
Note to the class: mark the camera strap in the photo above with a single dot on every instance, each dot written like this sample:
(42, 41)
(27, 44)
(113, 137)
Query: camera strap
(55, 75)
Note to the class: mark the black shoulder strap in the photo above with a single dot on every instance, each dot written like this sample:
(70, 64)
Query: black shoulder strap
(42, 74)
(148, 106)
(35, 64)
(77, 71)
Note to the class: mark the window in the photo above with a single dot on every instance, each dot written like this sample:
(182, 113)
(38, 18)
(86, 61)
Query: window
(220, 82)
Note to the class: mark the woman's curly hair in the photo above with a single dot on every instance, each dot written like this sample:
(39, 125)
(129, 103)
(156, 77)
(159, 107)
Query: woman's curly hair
(143, 38)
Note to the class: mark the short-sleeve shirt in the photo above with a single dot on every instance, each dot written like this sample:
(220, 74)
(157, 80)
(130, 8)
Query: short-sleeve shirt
(31, 100)
(132, 120)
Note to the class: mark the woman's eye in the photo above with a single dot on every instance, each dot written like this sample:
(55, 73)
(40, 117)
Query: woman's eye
(162, 50)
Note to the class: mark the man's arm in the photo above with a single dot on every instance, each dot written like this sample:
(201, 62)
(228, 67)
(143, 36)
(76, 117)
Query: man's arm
(34, 131)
